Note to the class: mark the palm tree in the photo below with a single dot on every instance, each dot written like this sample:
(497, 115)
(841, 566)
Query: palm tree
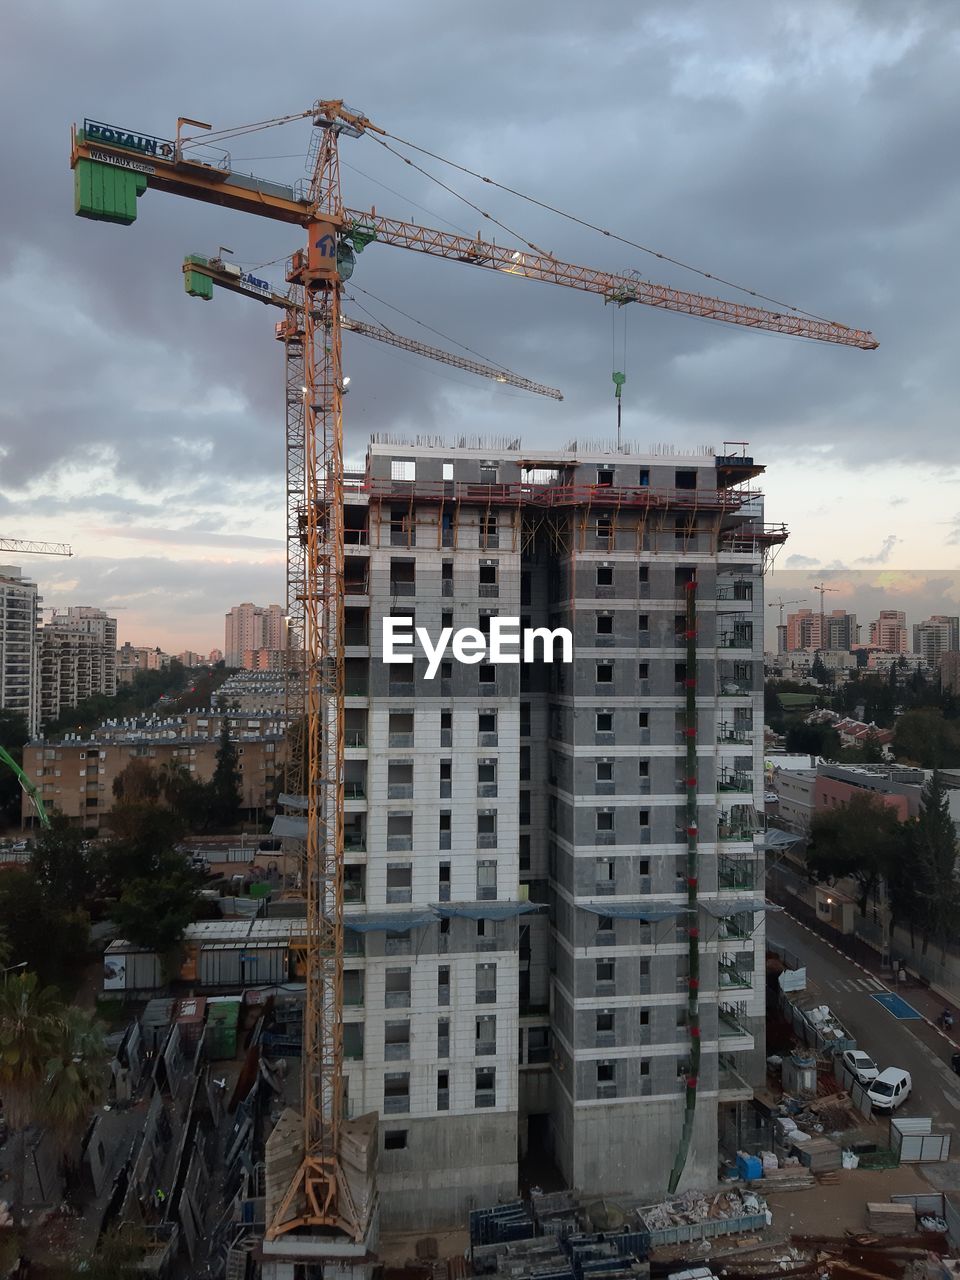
(74, 1080)
(29, 1016)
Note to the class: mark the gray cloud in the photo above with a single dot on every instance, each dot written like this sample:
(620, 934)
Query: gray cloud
(801, 562)
(883, 555)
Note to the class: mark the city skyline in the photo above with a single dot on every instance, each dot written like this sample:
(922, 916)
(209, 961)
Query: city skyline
(920, 594)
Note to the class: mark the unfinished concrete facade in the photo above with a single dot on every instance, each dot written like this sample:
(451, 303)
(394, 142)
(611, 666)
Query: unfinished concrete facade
(491, 787)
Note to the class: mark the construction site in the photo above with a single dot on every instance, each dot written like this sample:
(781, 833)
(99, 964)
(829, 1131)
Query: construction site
(501, 1009)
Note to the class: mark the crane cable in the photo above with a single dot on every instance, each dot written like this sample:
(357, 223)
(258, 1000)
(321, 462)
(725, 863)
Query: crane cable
(591, 226)
(445, 336)
(544, 253)
(222, 135)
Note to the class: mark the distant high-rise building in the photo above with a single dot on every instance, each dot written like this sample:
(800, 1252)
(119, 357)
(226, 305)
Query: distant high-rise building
(806, 629)
(19, 685)
(940, 634)
(78, 659)
(132, 659)
(840, 630)
(889, 632)
(803, 630)
(252, 627)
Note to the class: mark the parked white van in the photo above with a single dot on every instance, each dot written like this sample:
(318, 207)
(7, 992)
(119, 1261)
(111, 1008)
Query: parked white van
(890, 1089)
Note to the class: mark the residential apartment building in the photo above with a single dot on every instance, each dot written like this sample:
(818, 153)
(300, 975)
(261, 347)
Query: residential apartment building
(250, 628)
(473, 1024)
(837, 630)
(889, 632)
(936, 636)
(19, 666)
(76, 775)
(78, 659)
(133, 658)
(256, 691)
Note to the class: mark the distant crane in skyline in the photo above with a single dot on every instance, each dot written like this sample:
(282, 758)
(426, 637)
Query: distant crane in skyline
(822, 588)
(781, 604)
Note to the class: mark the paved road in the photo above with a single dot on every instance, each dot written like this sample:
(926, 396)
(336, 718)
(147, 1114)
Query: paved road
(914, 1045)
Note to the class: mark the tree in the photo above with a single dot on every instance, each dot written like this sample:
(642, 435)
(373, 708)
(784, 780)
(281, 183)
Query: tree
(155, 913)
(772, 707)
(936, 892)
(872, 747)
(137, 783)
(923, 736)
(74, 1082)
(50, 939)
(821, 672)
(28, 1039)
(142, 844)
(860, 841)
(188, 797)
(814, 740)
(59, 862)
(226, 783)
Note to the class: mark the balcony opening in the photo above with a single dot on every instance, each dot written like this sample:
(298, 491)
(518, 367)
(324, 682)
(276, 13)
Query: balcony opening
(396, 1040)
(485, 1036)
(486, 989)
(400, 731)
(354, 884)
(485, 1094)
(399, 882)
(355, 727)
(397, 988)
(400, 780)
(486, 881)
(403, 577)
(399, 832)
(396, 1093)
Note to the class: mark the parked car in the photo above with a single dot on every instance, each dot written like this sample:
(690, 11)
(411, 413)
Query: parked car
(890, 1089)
(861, 1064)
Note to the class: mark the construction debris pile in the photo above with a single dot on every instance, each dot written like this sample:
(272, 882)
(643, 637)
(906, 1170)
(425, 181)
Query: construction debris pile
(909, 1257)
(560, 1237)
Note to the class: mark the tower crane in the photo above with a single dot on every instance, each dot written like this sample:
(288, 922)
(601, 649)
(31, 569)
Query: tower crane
(28, 548)
(196, 270)
(113, 167)
(822, 589)
(781, 604)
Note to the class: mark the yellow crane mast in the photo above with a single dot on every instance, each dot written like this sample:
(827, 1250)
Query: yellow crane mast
(112, 169)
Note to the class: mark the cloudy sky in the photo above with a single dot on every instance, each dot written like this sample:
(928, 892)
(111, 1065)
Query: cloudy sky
(804, 149)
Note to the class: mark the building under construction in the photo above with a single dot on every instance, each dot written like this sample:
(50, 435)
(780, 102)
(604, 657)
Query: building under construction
(554, 907)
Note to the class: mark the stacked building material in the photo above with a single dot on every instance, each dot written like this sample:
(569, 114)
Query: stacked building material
(891, 1219)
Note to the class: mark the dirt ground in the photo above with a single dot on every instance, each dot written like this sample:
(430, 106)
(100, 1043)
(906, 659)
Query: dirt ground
(398, 1247)
(831, 1210)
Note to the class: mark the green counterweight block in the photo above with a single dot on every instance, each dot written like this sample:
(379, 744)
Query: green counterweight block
(107, 192)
